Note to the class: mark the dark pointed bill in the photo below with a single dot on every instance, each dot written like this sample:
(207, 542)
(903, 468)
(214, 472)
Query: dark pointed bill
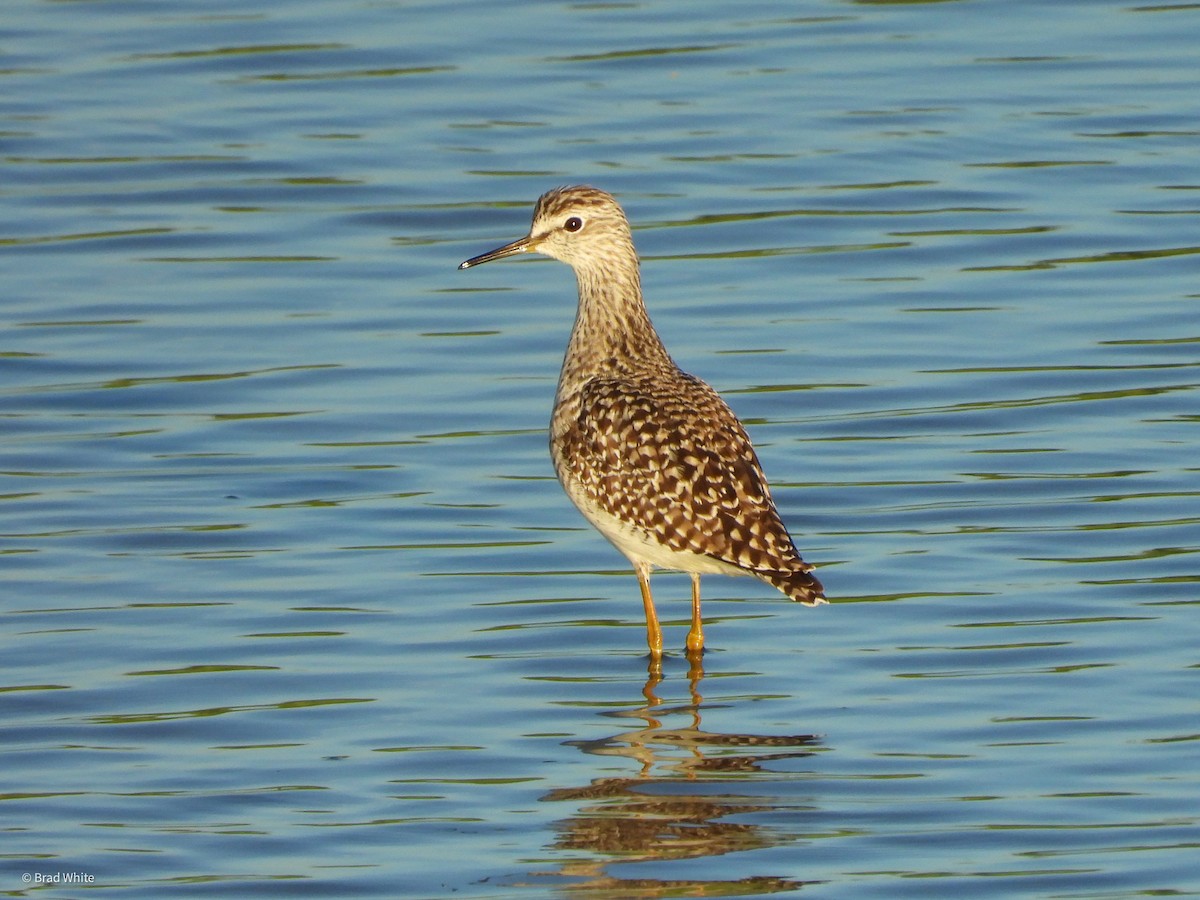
(524, 245)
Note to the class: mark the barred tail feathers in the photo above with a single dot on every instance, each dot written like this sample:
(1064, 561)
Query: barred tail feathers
(799, 584)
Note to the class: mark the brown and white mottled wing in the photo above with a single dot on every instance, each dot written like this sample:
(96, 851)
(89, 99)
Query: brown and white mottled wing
(669, 458)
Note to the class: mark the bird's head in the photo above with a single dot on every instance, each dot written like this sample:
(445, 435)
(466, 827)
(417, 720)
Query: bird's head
(579, 225)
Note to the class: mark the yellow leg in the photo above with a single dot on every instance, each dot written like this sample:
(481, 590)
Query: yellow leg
(653, 629)
(695, 638)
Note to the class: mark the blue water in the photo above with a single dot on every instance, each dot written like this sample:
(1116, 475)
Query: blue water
(292, 604)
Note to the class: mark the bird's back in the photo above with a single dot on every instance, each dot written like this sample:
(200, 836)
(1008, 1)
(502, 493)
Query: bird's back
(661, 453)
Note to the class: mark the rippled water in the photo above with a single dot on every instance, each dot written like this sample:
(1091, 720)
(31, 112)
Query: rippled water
(292, 604)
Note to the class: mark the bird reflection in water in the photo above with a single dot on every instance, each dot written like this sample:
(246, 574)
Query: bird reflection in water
(678, 806)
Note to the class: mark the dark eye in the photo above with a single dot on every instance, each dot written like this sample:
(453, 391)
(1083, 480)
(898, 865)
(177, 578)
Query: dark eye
(573, 224)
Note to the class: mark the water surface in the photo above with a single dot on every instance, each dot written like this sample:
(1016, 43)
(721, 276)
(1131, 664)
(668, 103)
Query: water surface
(292, 603)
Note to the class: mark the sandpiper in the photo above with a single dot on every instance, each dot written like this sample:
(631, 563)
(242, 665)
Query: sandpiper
(651, 456)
